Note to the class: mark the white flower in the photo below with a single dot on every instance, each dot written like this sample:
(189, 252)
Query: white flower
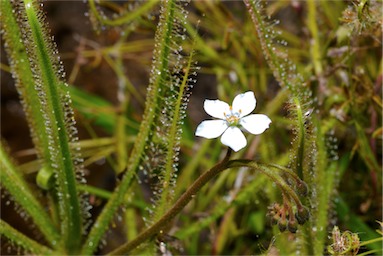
(231, 119)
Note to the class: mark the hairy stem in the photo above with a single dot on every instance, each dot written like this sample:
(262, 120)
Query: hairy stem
(194, 188)
(25, 242)
(286, 189)
(57, 107)
(129, 17)
(301, 138)
(15, 184)
(158, 77)
(178, 206)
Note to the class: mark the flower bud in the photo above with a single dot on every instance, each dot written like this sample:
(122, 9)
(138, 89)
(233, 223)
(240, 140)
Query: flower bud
(302, 188)
(274, 219)
(292, 225)
(302, 215)
(274, 213)
(282, 224)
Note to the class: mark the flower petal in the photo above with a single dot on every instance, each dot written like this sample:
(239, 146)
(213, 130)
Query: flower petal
(216, 108)
(211, 128)
(234, 138)
(245, 103)
(256, 123)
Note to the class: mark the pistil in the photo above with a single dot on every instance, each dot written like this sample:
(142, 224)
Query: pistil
(232, 119)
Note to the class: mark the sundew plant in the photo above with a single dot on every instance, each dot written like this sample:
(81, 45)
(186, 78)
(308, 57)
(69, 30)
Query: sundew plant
(191, 127)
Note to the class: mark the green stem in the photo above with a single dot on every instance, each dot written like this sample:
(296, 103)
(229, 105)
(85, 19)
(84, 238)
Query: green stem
(130, 16)
(371, 252)
(25, 242)
(375, 240)
(324, 184)
(178, 206)
(160, 66)
(278, 67)
(269, 173)
(287, 170)
(15, 184)
(174, 138)
(301, 138)
(57, 108)
(193, 189)
(315, 44)
(21, 70)
(102, 193)
(242, 198)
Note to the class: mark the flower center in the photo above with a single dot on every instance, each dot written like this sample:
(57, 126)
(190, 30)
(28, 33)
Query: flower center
(232, 118)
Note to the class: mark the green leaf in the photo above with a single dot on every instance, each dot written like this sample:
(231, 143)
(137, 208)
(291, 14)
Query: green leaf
(38, 72)
(156, 93)
(23, 241)
(12, 180)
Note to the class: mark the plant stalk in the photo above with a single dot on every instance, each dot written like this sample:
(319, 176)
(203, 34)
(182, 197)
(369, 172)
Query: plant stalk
(178, 206)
